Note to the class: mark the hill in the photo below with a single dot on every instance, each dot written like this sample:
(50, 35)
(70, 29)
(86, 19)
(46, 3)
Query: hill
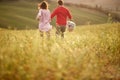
(88, 53)
(22, 14)
(106, 4)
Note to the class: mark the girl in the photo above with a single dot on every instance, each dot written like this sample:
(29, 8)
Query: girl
(43, 17)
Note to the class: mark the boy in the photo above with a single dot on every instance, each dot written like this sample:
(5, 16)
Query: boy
(62, 14)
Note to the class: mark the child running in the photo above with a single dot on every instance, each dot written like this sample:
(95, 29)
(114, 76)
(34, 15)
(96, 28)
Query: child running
(43, 17)
(61, 13)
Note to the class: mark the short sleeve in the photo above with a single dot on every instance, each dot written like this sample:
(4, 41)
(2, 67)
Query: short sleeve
(39, 13)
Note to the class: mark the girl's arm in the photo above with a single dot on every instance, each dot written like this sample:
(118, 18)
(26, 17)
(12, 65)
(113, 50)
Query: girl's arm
(38, 15)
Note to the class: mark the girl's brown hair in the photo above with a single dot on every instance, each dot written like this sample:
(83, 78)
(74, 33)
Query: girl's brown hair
(43, 5)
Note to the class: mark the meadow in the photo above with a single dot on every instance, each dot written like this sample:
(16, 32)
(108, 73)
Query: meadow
(91, 52)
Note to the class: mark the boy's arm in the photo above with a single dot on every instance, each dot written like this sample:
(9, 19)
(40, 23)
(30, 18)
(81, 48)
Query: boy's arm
(69, 15)
(53, 13)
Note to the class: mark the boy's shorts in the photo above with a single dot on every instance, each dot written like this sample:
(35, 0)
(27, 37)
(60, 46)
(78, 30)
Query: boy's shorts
(60, 29)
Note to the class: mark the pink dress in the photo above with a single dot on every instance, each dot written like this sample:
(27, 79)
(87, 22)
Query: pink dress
(44, 20)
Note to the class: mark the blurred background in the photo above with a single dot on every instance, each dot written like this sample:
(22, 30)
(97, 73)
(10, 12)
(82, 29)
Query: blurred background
(21, 14)
(106, 4)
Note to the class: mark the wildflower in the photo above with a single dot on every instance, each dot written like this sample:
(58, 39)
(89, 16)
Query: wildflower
(21, 46)
(31, 38)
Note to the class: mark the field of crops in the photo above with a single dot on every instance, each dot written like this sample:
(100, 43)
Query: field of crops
(88, 53)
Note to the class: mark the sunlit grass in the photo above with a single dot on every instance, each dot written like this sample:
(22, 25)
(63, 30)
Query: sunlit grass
(88, 53)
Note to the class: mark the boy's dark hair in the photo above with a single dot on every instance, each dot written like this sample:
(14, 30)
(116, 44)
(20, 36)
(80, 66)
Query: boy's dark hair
(60, 2)
(44, 5)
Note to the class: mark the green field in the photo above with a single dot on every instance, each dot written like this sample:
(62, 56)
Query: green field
(88, 53)
(22, 14)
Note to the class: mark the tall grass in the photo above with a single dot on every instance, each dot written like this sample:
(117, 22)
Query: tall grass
(88, 53)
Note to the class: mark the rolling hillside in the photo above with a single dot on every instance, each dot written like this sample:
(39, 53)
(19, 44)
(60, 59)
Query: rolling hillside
(22, 14)
(106, 4)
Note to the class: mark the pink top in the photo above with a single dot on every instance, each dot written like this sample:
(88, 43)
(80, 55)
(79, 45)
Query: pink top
(44, 20)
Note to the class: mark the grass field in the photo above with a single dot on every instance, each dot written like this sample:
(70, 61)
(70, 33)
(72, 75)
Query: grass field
(88, 53)
(22, 14)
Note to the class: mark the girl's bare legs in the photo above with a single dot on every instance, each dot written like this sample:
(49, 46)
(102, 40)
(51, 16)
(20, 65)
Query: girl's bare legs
(41, 33)
(48, 34)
